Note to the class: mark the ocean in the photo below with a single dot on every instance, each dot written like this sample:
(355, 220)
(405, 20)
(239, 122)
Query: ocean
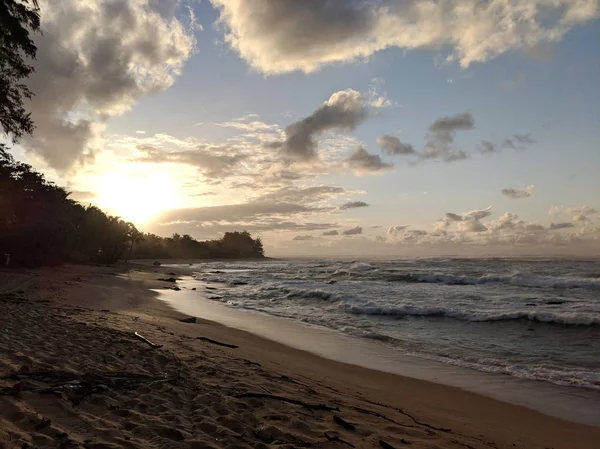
(534, 318)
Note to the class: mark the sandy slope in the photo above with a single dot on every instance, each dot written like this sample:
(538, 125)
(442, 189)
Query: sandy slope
(78, 378)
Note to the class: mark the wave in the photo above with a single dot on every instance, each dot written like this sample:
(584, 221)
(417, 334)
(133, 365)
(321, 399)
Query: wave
(521, 280)
(316, 293)
(574, 319)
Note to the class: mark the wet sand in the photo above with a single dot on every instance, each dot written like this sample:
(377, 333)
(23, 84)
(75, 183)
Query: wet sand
(74, 375)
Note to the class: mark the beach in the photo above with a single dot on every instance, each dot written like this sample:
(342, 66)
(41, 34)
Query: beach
(75, 375)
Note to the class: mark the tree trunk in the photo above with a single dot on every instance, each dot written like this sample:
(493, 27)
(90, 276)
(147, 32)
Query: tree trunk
(130, 249)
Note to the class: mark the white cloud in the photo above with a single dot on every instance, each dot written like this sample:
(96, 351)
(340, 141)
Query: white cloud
(277, 37)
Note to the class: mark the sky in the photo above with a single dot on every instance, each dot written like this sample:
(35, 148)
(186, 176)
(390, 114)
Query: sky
(329, 128)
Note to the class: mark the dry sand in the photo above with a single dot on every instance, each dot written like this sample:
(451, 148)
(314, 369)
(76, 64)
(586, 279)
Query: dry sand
(73, 375)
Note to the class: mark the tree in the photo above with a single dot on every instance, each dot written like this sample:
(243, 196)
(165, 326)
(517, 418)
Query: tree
(16, 45)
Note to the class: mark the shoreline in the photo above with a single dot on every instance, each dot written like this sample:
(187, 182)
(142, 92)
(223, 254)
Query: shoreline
(565, 402)
(109, 304)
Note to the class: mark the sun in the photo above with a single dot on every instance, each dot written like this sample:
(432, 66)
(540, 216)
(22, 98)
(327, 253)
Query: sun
(136, 197)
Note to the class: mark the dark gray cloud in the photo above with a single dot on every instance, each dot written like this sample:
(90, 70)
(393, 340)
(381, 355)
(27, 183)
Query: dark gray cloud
(333, 232)
(453, 123)
(487, 147)
(392, 145)
(277, 37)
(515, 142)
(353, 231)
(95, 60)
(515, 194)
(518, 141)
(365, 162)
(302, 238)
(344, 111)
(353, 205)
(442, 133)
(554, 226)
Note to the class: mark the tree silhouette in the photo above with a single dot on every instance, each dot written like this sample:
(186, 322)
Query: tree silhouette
(17, 19)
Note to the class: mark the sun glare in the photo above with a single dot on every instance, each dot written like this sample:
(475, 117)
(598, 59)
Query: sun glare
(136, 198)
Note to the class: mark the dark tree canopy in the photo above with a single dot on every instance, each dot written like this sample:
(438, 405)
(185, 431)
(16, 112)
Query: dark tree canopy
(17, 20)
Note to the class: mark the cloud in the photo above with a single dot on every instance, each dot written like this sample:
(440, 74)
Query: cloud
(515, 194)
(442, 133)
(95, 60)
(515, 142)
(353, 205)
(344, 111)
(364, 162)
(396, 229)
(579, 214)
(487, 147)
(554, 226)
(440, 140)
(334, 232)
(582, 210)
(255, 125)
(518, 141)
(393, 145)
(353, 231)
(580, 218)
(214, 161)
(477, 214)
(277, 37)
(452, 123)
(302, 238)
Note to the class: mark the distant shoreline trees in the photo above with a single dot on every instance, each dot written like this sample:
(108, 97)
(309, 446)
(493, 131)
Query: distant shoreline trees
(233, 245)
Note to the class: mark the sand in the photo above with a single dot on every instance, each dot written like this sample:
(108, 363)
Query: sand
(74, 375)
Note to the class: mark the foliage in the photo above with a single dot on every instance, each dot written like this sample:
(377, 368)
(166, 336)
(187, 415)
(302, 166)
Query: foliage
(16, 46)
(40, 225)
(233, 245)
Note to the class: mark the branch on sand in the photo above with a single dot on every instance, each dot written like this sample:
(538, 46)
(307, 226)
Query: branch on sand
(215, 342)
(145, 340)
(342, 422)
(288, 400)
(331, 437)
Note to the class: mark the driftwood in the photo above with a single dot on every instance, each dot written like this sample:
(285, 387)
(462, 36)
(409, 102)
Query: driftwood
(191, 319)
(343, 423)
(215, 342)
(331, 437)
(288, 400)
(145, 340)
